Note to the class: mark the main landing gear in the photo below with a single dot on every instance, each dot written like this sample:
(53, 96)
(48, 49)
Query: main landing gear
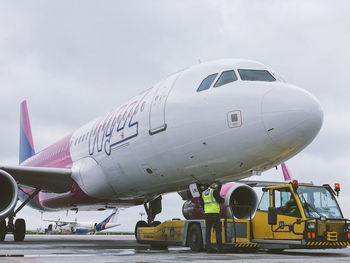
(18, 228)
(153, 208)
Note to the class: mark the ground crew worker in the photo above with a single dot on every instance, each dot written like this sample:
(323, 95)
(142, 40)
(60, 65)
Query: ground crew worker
(210, 201)
(292, 207)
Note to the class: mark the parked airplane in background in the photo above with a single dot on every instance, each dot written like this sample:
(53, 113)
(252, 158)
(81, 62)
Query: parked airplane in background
(221, 120)
(83, 227)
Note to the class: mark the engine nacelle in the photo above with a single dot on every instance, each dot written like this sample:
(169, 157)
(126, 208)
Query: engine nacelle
(241, 202)
(8, 194)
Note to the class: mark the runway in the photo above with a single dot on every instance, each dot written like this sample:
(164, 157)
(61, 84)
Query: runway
(124, 248)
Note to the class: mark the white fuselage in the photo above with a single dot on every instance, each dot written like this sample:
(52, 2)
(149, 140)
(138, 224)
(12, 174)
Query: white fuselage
(170, 136)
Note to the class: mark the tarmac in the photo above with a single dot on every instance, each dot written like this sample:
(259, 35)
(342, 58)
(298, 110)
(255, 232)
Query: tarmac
(124, 248)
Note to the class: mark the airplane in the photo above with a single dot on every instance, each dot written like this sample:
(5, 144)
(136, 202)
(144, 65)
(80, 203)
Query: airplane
(74, 227)
(220, 120)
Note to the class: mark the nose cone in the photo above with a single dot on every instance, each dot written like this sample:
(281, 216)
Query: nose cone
(292, 117)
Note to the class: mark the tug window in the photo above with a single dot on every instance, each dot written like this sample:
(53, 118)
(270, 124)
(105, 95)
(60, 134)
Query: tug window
(264, 202)
(255, 75)
(285, 203)
(226, 77)
(206, 83)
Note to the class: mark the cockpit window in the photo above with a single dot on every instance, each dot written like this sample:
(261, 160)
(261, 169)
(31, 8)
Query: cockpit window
(226, 77)
(255, 75)
(206, 83)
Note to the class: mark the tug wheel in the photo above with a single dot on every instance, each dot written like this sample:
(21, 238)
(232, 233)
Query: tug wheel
(140, 224)
(195, 239)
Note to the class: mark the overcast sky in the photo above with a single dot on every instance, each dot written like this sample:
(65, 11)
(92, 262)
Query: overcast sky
(74, 60)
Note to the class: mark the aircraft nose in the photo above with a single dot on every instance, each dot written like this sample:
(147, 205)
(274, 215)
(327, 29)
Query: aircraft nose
(292, 116)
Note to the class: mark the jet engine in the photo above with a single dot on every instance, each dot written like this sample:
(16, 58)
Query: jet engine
(8, 194)
(241, 202)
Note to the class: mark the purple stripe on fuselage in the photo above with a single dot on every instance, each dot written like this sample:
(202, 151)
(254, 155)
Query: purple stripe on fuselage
(55, 156)
(58, 156)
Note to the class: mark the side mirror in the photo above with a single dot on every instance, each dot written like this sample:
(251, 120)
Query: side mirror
(272, 216)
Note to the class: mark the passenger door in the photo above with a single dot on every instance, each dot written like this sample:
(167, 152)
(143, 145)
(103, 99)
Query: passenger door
(157, 122)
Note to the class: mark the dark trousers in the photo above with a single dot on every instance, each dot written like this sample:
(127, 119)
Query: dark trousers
(213, 220)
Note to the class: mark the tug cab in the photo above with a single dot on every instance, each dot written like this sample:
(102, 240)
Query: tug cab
(289, 216)
(300, 216)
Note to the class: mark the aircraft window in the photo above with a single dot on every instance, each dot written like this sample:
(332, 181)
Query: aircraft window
(206, 83)
(113, 121)
(226, 77)
(136, 109)
(130, 112)
(143, 106)
(255, 75)
(107, 126)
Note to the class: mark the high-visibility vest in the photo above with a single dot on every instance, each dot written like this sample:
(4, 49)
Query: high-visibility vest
(210, 204)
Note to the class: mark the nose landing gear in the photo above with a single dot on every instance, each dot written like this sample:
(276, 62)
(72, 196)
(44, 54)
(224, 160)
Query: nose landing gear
(153, 208)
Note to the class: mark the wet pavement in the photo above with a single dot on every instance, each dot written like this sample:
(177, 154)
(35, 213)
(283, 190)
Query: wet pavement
(124, 248)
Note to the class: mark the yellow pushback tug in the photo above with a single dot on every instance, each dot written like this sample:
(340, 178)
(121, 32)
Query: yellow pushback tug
(289, 216)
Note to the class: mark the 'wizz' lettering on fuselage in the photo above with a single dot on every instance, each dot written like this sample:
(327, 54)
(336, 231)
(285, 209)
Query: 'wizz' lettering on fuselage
(118, 127)
(114, 130)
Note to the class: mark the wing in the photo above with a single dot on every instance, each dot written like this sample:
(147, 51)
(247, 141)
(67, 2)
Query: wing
(61, 223)
(260, 183)
(56, 180)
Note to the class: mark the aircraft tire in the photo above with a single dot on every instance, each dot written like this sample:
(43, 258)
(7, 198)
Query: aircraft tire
(20, 229)
(3, 230)
(195, 238)
(140, 223)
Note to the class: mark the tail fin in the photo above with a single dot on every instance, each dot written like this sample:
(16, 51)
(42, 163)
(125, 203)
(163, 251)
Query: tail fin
(286, 174)
(26, 146)
(107, 223)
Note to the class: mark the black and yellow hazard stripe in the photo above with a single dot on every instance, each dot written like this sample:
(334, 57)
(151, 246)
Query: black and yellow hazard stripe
(246, 245)
(314, 244)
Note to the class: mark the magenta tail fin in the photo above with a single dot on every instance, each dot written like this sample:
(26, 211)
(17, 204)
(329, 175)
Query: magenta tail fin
(286, 174)
(26, 145)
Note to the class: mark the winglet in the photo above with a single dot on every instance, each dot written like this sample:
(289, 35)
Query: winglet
(26, 145)
(286, 174)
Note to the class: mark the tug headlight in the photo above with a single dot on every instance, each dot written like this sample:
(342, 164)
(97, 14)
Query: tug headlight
(311, 226)
(347, 227)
